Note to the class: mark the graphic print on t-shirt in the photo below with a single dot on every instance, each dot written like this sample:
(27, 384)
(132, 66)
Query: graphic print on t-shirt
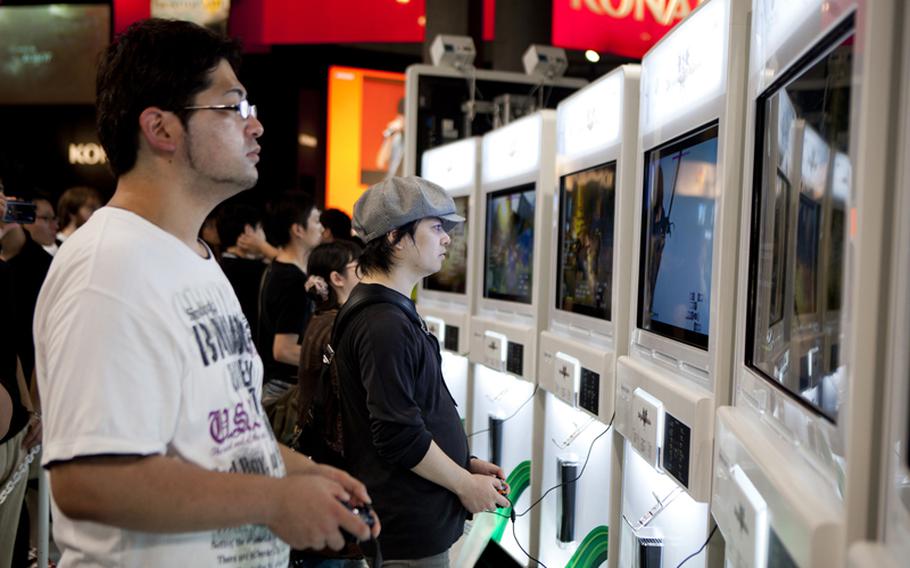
(241, 439)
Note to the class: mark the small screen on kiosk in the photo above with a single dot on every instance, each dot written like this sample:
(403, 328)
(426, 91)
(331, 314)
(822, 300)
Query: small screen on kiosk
(586, 208)
(509, 259)
(678, 238)
(453, 275)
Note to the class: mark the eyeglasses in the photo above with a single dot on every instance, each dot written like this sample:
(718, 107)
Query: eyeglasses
(244, 107)
(48, 218)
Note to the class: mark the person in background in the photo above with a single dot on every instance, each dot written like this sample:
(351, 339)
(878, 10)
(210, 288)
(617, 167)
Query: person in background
(335, 264)
(390, 157)
(402, 433)
(336, 225)
(74, 208)
(209, 233)
(293, 227)
(20, 424)
(243, 265)
(158, 451)
(44, 230)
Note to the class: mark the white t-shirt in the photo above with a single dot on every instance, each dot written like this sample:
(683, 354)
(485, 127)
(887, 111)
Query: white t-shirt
(142, 348)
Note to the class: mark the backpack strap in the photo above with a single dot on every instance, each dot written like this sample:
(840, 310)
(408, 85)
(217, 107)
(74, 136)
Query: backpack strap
(359, 301)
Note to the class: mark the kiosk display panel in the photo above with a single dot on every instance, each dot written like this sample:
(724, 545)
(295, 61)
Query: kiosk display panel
(678, 237)
(796, 257)
(509, 246)
(453, 275)
(587, 201)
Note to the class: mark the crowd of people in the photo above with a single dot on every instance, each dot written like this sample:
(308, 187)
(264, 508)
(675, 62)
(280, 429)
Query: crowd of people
(166, 335)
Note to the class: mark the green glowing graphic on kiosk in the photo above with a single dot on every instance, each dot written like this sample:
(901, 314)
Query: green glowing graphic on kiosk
(518, 481)
(593, 549)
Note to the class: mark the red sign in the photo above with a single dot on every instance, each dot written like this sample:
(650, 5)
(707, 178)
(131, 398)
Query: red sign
(342, 21)
(623, 27)
(266, 22)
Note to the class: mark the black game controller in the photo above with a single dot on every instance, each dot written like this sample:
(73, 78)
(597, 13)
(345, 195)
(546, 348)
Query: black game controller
(365, 513)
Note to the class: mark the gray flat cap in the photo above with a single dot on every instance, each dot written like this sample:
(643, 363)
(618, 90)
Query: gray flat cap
(397, 201)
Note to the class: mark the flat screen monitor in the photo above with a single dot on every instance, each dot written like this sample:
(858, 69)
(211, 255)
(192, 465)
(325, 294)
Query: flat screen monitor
(803, 134)
(509, 240)
(50, 52)
(677, 237)
(587, 202)
(453, 276)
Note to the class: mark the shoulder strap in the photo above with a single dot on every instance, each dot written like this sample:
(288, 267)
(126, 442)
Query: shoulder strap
(359, 301)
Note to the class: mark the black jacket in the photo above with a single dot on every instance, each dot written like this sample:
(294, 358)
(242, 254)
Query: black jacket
(394, 403)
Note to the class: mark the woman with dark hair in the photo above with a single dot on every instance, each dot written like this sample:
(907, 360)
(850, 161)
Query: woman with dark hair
(334, 268)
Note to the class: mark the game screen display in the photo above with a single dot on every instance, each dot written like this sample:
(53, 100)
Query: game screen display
(453, 276)
(587, 202)
(678, 238)
(509, 261)
(793, 333)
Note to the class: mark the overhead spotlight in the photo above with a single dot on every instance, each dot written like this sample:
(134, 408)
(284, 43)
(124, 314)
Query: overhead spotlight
(592, 56)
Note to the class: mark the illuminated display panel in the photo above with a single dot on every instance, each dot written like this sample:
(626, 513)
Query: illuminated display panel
(678, 237)
(796, 262)
(50, 52)
(365, 137)
(453, 275)
(509, 245)
(587, 202)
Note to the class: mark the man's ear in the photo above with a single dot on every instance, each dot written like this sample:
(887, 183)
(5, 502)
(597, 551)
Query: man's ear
(160, 129)
(392, 236)
(297, 230)
(337, 279)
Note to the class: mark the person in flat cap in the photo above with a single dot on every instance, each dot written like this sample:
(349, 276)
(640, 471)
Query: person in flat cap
(402, 434)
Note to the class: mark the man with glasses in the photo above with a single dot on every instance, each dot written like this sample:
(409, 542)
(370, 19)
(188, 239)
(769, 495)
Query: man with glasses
(44, 230)
(158, 450)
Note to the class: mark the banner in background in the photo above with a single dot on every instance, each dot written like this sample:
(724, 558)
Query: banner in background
(623, 27)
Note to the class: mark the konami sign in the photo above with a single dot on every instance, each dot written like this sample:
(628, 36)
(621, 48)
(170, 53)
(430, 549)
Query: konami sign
(623, 27)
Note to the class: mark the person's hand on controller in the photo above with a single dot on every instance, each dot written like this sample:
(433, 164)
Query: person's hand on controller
(308, 512)
(481, 492)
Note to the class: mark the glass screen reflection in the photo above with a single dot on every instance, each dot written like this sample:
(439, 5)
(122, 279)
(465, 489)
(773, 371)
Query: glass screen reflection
(798, 230)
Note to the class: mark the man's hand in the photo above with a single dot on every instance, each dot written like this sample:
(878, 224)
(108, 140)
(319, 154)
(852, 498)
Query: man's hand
(253, 242)
(357, 489)
(481, 493)
(483, 467)
(309, 513)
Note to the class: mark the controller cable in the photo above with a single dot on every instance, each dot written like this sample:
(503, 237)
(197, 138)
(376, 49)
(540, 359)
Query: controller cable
(522, 405)
(512, 515)
(697, 552)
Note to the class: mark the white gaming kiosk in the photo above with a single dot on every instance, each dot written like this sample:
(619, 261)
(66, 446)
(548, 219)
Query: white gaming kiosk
(590, 271)
(682, 322)
(517, 184)
(793, 471)
(446, 299)
(889, 545)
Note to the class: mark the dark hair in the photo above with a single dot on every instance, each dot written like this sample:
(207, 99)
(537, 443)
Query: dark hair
(292, 207)
(328, 258)
(338, 222)
(233, 218)
(72, 200)
(155, 62)
(377, 254)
